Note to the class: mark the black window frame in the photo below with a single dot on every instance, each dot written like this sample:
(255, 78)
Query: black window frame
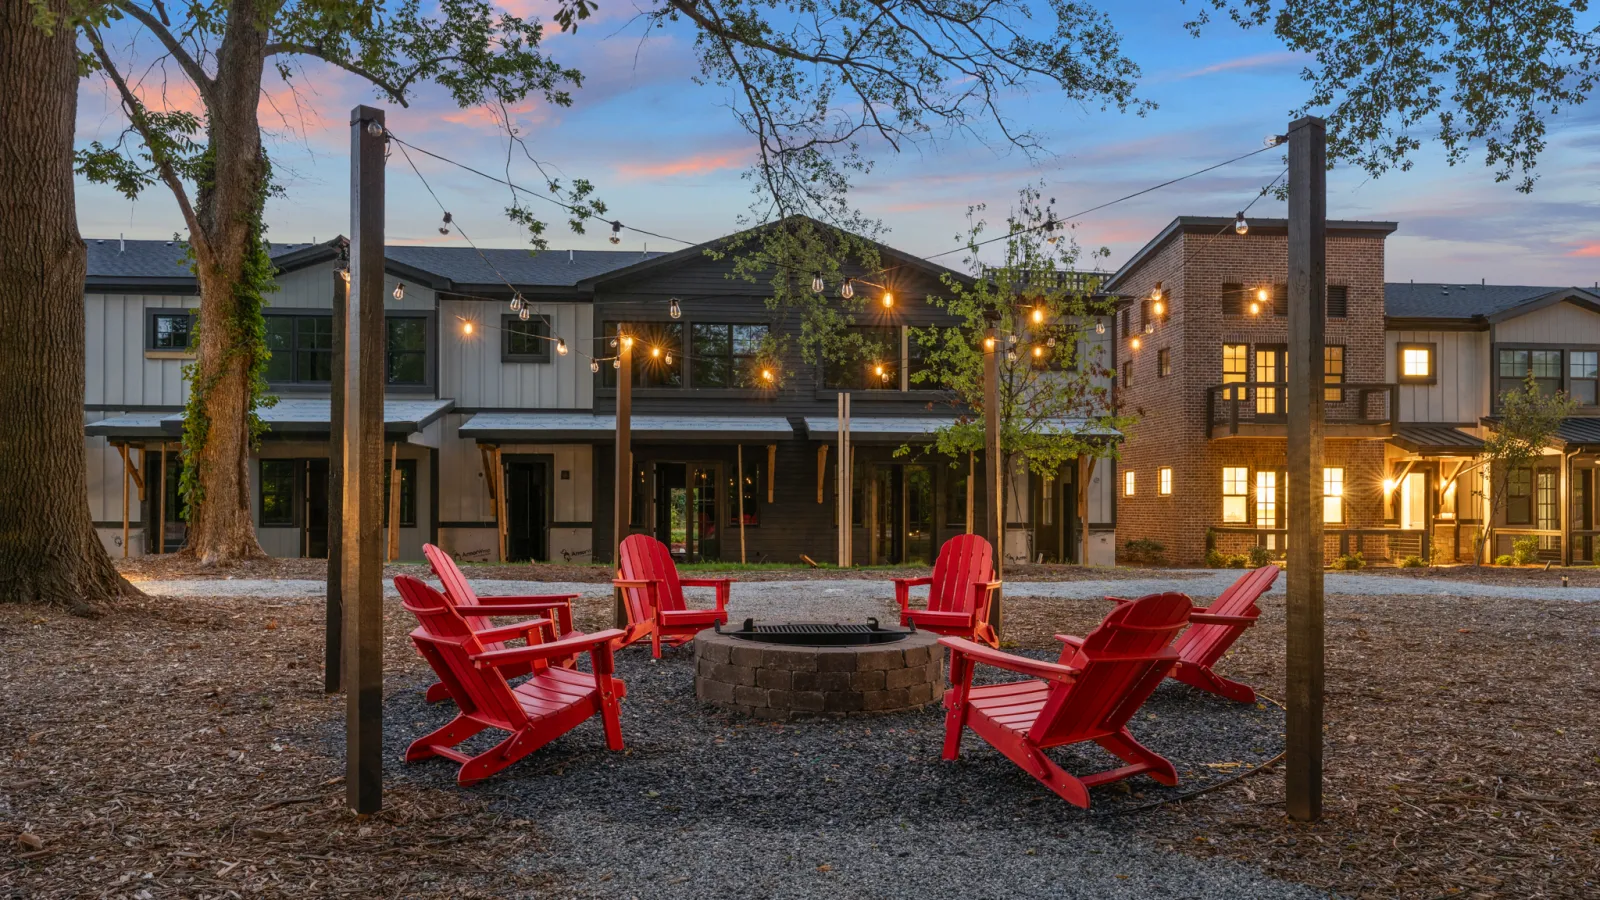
(741, 367)
(510, 323)
(408, 493)
(151, 330)
(1519, 493)
(647, 371)
(428, 357)
(1336, 394)
(294, 352)
(887, 383)
(1432, 377)
(1235, 299)
(274, 486)
(1163, 362)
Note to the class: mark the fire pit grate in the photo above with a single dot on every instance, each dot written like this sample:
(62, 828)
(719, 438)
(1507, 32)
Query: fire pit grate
(817, 634)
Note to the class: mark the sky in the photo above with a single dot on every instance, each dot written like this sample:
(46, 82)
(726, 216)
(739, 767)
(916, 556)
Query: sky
(667, 155)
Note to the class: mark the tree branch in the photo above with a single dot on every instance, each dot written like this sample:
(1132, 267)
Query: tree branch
(396, 92)
(191, 66)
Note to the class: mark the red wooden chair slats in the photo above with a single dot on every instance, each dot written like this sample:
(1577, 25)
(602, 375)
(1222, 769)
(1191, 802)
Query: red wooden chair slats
(1089, 694)
(555, 611)
(959, 591)
(1213, 630)
(551, 702)
(653, 595)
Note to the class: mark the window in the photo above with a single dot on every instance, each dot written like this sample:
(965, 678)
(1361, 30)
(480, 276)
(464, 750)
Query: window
(1235, 300)
(525, 341)
(1163, 363)
(1269, 370)
(1338, 301)
(1415, 364)
(1333, 495)
(1235, 368)
(918, 351)
(407, 357)
(1519, 497)
(1125, 316)
(302, 349)
(1165, 475)
(872, 366)
(1333, 373)
(1127, 374)
(277, 492)
(955, 499)
(650, 368)
(1266, 499)
(1543, 365)
(169, 329)
(725, 356)
(751, 489)
(1127, 483)
(1582, 368)
(1235, 494)
(408, 493)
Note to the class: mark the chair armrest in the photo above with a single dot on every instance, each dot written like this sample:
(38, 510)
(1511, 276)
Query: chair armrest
(1200, 617)
(902, 591)
(565, 647)
(519, 630)
(723, 586)
(543, 605)
(632, 583)
(982, 596)
(1022, 665)
(530, 600)
(651, 589)
(1071, 640)
(913, 582)
(1111, 599)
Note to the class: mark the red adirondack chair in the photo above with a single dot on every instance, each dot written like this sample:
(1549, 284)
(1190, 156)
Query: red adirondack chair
(1089, 694)
(959, 591)
(653, 595)
(555, 610)
(550, 703)
(1214, 629)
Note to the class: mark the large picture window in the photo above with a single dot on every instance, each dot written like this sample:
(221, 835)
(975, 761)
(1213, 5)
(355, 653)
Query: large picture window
(302, 349)
(657, 353)
(408, 493)
(725, 356)
(1235, 495)
(1543, 365)
(277, 493)
(407, 350)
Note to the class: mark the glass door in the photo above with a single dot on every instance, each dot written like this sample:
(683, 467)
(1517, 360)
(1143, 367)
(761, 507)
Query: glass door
(705, 536)
(1269, 368)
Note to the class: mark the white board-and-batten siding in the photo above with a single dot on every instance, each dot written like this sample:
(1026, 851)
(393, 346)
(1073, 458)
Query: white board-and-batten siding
(1460, 392)
(1561, 324)
(116, 368)
(472, 372)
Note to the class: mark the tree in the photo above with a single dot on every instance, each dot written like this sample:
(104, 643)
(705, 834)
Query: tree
(1484, 76)
(49, 552)
(1055, 401)
(1529, 421)
(217, 170)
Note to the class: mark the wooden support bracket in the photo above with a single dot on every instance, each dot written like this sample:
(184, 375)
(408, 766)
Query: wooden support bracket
(772, 468)
(822, 469)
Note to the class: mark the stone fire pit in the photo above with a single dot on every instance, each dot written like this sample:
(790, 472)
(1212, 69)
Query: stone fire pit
(885, 672)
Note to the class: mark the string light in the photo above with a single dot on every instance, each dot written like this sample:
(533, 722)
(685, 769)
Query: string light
(1135, 343)
(1050, 342)
(848, 289)
(1261, 294)
(1099, 328)
(766, 374)
(1158, 303)
(344, 272)
(988, 343)
(613, 344)
(1038, 351)
(1240, 226)
(1011, 354)
(616, 364)
(816, 284)
(561, 346)
(1255, 308)
(627, 340)
(1149, 328)
(400, 290)
(523, 314)
(888, 300)
(669, 359)
(616, 232)
(1038, 315)
(445, 228)
(656, 352)
(594, 366)
(466, 327)
(674, 309)
(879, 370)
(517, 302)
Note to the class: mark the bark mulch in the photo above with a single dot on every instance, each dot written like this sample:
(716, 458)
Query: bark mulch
(169, 749)
(1530, 576)
(1462, 755)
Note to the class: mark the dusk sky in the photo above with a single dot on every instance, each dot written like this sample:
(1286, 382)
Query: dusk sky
(667, 156)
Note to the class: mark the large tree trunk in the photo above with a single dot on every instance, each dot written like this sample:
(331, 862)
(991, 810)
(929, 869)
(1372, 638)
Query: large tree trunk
(49, 552)
(228, 209)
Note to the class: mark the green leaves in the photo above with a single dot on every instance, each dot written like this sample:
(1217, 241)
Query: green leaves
(170, 136)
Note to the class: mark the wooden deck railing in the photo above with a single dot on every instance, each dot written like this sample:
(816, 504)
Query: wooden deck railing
(1267, 403)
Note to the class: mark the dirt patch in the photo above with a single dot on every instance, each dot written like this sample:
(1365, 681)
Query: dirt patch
(1529, 576)
(1460, 757)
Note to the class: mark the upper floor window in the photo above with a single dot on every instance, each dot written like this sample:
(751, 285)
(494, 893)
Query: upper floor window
(874, 366)
(725, 356)
(918, 352)
(406, 359)
(1543, 365)
(657, 353)
(1415, 363)
(1235, 494)
(1235, 366)
(1127, 483)
(1163, 363)
(1333, 495)
(1582, 366)
(1333, 372)
(525, 340)
(302, 349)
(169, 329)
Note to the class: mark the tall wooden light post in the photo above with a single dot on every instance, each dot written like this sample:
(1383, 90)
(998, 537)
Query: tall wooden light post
(1308, 208)
(993, 469)
(361, 557)
(622, 489)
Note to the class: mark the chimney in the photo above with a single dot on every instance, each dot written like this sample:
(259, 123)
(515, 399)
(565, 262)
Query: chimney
(122, 245)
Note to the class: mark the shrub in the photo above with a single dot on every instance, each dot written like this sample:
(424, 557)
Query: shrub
(1143, 550)
(1259, 556)
(1412, 562)
(1238, 561)
(1525, 550)
(1503, 559)
(1349, 563)
(1215, 559)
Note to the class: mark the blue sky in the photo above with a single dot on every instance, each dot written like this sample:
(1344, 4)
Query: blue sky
(667, 156)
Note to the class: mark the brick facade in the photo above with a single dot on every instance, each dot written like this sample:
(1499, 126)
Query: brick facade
(1192, 263)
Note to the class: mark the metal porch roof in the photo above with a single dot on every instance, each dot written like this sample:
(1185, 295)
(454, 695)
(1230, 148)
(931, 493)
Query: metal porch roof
(533, 427)
(1435, 440)
(901, 429)
(289, 417)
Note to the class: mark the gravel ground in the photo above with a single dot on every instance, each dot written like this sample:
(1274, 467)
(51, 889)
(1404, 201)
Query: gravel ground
(703, 803)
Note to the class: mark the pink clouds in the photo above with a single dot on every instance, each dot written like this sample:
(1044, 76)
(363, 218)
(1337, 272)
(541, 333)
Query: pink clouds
(1591, 250)
(695, 164)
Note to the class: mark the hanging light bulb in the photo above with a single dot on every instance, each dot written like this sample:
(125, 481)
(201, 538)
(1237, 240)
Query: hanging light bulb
(561, 346)
(613, 343)
(1135, 343)
(1150, 328)
(988, 343)
(1011, 354)
(673, 309)
(400, 290)
(766, 374)
(1038, 351)
(627, 340)
(1261, 294)
(1240, 226)
(616, 364)
(1155, 292)
(445, 228)
(1159, 308)
(1050, 342)
(888, 300)
(848, 289)
(1255, 308)
(669, 359)
(594, 366)
(656, 352)
(523, 314)
(344, 272)
(1099, 328)
(816, 284)
(616, 233)
(1038, 315)
(466, 327)
(516, 302)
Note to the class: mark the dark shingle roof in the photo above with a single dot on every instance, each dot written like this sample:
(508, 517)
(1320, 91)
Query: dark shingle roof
(550, 268)
(111, 258)
(1457, 301)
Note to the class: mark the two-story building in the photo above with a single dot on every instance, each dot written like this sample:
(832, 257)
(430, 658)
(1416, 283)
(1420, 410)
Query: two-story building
(503, 444)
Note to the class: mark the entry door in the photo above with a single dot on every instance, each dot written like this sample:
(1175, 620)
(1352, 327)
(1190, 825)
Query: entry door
(1269, 509)
(706, 478)
(314, 533)
(1414, 500)
(1269, 368)
(151, 511)
(672, 509)
(1546, 510)
(902, 521)
(527, 500)
(1055, 515)
(686, 510)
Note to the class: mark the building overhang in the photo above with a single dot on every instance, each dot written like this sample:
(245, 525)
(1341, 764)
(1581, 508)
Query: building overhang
(1433, 440)
(587, 428)
(921, 429)
(298, 419)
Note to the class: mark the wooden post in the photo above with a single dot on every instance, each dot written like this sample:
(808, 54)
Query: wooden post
(972, 486)
(362, 510)
(502, 506)
(394, 503)
(123, 449)
(822, 469)
(738, 485)
(623, 480)
(844, 481)
(333, 613)
(993, 465)
(161, 523)
(1085, 475)
(1308, 208)
(1564, 502)
(772, 469)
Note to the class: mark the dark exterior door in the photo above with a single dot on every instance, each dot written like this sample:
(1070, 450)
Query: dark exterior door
(527, 499)
(315, 534)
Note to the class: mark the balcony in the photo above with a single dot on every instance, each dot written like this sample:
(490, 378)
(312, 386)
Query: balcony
(1259, 409)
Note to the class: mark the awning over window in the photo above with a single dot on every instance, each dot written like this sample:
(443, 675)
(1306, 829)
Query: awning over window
(535, 428)
(292, 417)
(911, 429)
(1435, 440)
(142, 426)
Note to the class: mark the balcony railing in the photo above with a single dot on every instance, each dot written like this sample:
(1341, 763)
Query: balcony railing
(1386, 545)
(1262, 406)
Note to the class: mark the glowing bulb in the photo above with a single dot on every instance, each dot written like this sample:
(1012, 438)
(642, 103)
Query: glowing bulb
(878, 370)
(616, 364)
(1388, 485)
(1158, 308)
(1011, 355)
(1099, 328)
(523, 314)
(1038, 351)
(466, 327)
(848, 289)
(988, 343)
(345, 274)
(656, 352)
(766, 374)
(400, 291)
(516, 302)
(1261, 294)
(627, 340)
(1038, 315)
(888, 300)
(1135, 343)
(1149, 328)
(1255, 308)
(561, 347)
(1240, 226)
(594, 366)
(674, 310)
(816, 284)
(1155, 292)
(1273, 140)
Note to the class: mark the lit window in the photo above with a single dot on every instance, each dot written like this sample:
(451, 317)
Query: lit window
(1127, 483)
(1333, 373)
(1333, 495)
(1266, 499)
(1235, 366)
(1416, 363)
(1235, 494)
(1166, 480)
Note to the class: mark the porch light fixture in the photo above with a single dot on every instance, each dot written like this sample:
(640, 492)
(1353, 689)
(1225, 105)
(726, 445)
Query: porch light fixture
(466, 327)
(674, 309)
(400, 290)
(816, 284)
(888, 300)
(1388, 486)
(848, 289)
(1240, 226)
(561, 346)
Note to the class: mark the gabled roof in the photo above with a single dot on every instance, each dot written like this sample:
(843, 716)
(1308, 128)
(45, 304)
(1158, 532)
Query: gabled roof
(463, 267)
(165, 264)
(1220, 226)
(1485, 303)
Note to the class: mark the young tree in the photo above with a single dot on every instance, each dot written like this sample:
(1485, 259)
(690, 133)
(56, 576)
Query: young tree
(1055, 400)
(1529, 420)
(49, 552)
(217, 170)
